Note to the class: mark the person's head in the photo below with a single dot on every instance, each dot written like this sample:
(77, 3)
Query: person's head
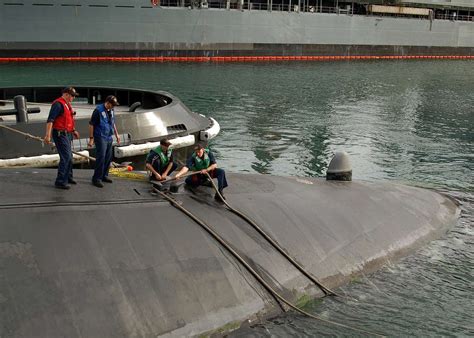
(69, 93)
(199, 150)
(110, 102)
(165, 143)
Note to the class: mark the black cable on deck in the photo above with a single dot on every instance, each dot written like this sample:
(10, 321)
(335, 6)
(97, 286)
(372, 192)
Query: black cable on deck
(254, 273)
(79, 203)
(274, 243)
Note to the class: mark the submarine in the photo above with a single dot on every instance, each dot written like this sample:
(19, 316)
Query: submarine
(133, 260)
(143, 118)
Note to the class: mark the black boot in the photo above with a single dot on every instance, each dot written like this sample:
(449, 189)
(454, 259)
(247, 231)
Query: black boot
(98, 184)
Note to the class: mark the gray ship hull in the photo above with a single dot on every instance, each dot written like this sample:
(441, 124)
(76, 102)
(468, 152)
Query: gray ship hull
(136, 29)
(119, 262)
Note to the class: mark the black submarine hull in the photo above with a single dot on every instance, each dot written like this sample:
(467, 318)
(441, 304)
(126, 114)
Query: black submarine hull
(119, 261)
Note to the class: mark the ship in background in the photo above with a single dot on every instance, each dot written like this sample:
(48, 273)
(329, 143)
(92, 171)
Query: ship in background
(144, 30)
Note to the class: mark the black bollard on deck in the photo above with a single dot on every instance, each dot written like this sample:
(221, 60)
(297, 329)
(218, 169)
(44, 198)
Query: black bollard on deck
(19, 102)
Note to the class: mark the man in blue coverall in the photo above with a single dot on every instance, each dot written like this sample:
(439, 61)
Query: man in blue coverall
(101, 128)
(203, 160)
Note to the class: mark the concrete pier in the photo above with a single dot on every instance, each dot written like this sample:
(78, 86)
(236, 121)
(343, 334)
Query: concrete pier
(118, 261)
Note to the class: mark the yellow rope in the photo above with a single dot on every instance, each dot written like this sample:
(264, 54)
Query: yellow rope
(123, 173)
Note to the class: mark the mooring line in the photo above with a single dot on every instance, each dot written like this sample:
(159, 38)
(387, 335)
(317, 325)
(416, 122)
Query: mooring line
(79, 203)
(254, 273)
(27, 135)
(220, 240)
(39, 139)
(275, 244)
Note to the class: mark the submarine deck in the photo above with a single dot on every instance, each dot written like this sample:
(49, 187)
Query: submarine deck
(118, 261)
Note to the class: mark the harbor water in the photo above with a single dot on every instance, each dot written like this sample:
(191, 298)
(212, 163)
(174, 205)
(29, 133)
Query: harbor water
(405, 121)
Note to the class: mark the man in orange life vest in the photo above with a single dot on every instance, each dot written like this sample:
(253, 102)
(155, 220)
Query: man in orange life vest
(60, 125)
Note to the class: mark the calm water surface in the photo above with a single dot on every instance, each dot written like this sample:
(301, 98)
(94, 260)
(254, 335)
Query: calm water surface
(407, 121)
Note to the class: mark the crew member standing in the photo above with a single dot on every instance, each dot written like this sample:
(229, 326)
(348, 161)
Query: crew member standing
(203, 160)
(101, 128)
(60, 125)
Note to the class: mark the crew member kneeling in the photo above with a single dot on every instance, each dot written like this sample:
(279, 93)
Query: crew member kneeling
(160, 161)
(203, 160)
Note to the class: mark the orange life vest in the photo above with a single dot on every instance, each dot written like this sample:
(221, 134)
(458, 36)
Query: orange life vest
(65, 121)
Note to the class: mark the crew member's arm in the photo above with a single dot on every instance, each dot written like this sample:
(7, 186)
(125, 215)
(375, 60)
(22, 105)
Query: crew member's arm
(155, 173)
(75, 133)
(94, 121)
(183, 171)
(116, 134)
(212, 163)
(55, 111)
(90, 143)
(168, 168)
(149, 165)
(49, 128)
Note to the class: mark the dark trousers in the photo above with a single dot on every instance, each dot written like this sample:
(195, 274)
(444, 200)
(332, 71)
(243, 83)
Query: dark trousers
(162, 170)
(198, 179)
(103, 157)
(62, 140)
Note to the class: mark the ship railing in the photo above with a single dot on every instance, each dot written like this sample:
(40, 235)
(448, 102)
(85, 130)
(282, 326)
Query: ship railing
(294, 6)
(288, 7)
(324, 9)
(452, 17)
